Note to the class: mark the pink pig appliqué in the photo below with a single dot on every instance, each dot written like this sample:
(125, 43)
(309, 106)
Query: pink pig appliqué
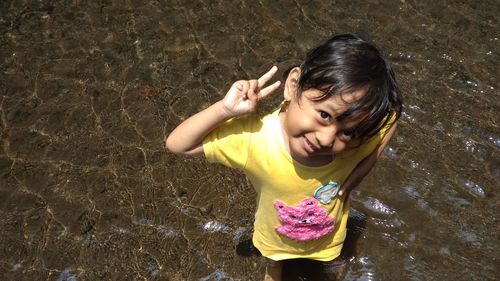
(308, 221)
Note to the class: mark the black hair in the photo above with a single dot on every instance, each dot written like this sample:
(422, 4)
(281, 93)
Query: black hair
(347, 63)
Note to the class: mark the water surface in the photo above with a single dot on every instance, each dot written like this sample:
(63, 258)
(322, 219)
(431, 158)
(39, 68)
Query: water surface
(88, 90)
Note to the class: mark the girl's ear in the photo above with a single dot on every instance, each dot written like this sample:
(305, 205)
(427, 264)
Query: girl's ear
(292, 84)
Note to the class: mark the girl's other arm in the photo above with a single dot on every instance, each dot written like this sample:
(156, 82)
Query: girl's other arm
(241, 99)
(365, 166)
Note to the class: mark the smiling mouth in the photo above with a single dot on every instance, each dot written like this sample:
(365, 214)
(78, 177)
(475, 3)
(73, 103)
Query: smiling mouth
(309, 147)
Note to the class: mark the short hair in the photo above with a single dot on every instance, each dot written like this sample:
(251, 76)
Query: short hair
(347, 63)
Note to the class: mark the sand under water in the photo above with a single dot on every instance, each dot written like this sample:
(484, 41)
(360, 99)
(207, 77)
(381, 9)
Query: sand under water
(89, 89)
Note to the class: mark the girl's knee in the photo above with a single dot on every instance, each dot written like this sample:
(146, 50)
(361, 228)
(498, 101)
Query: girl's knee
(274, 264)
(273, 270)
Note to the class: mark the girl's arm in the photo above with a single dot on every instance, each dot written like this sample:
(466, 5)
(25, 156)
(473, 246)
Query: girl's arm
(364, 167)
(242, 98)
(187, 138)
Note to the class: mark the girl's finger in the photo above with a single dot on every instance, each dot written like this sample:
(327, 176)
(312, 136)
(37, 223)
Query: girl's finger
(268, 90)
(238, 86)
(241, 86)
(253, 89)
(343, 190)
(267, 76)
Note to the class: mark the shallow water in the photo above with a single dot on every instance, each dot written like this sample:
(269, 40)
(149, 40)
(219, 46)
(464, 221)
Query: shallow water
(88, 90)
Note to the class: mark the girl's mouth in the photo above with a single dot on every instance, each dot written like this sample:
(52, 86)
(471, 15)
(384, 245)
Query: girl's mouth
(308, 146)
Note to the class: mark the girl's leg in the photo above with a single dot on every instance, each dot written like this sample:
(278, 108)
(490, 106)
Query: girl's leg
(273, 270)
(336, 269)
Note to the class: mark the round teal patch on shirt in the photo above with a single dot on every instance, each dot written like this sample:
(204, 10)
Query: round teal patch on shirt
(327, 192)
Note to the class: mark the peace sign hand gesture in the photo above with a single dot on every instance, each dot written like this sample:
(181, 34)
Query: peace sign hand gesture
(243, 96)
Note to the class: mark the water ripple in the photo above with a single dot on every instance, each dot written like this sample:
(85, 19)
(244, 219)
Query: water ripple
(495, 141)
(153, 270)
(366, 272)
(412, 192)
(439, 127)
(216, 276)
(238, 234)
(408, 117)
(214, 226)
(142, 221)
(472, 147)
(471, 237)
(415, 108)
(67, 275)
(17, 266)
(167, 231)
(394, 223)
(411, 267)
(444, 251)
(474, 188)
(391, 153)
(377, 206)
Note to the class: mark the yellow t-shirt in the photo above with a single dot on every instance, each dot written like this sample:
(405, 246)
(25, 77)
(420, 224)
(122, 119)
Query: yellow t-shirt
(289, 221)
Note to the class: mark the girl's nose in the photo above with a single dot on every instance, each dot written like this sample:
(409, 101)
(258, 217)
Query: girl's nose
(326, 136)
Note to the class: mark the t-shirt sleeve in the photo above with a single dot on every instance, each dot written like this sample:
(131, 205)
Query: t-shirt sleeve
(229, 143)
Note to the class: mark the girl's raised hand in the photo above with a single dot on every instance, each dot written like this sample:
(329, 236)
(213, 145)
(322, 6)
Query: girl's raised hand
(243, 96)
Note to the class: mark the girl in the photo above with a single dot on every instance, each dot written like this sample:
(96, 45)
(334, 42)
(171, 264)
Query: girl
(339, 112)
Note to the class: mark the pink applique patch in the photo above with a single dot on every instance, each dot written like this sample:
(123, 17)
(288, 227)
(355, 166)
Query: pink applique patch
(308, 221)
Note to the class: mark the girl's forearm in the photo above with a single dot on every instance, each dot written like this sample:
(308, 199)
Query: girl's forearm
(241, 99)
(360, 172)
(188, 137)
(364, 167)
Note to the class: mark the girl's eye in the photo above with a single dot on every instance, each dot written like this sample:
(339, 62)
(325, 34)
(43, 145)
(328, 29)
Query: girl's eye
(348, 134)
(325, 116)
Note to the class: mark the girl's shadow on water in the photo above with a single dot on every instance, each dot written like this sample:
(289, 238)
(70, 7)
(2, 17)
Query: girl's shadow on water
(310, 270)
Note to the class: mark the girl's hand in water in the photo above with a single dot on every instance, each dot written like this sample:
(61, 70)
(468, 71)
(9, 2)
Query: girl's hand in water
(243, 96)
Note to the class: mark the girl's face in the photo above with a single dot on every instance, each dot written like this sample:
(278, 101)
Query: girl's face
(311, 130)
